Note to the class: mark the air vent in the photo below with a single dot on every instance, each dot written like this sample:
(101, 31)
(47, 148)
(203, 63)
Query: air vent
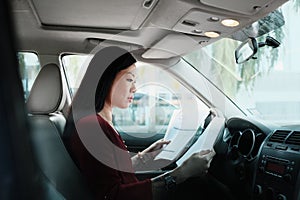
(279, 136)
(294, 138)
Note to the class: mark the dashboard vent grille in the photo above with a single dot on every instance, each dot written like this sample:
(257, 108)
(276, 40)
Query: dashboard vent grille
(279, 136)
(294, 138)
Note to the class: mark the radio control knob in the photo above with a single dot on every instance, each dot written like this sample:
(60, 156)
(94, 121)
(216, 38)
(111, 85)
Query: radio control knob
(287, 177)
(280, 197)
(258, 190)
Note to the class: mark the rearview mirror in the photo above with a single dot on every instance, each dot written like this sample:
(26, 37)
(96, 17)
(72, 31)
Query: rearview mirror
(246, 50)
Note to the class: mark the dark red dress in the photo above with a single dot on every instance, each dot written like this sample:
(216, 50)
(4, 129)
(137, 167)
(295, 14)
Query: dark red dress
(104, 181)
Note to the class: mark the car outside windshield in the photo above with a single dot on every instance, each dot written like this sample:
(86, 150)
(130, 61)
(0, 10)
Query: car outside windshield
(267, 86)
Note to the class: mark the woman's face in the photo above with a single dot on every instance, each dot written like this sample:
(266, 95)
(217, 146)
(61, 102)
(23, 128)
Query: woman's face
(123, 88)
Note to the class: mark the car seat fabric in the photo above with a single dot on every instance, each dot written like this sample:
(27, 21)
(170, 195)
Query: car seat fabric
(47, 125)
(46, 94)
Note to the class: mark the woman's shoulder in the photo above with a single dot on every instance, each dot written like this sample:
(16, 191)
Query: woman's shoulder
(92, 118)
(95, 120)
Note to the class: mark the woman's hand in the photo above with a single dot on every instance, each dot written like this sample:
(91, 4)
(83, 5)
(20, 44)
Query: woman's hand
(146, 158)
(197, 164)
(155, 148)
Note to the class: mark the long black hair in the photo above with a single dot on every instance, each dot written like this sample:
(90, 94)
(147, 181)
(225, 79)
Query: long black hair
(106, 80)
(96, 84)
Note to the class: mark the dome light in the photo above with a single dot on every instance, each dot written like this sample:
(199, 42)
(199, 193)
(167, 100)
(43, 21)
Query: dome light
(212, 34)
(230, 22)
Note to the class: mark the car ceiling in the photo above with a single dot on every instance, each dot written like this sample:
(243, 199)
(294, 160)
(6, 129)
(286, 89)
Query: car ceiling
(160, 29)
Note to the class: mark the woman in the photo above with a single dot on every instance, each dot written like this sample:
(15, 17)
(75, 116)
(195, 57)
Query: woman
(110, 173)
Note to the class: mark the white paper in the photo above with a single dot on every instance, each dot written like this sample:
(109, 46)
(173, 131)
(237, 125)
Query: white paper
(172, 130)
(206, 140)
(176, 146)
(180, 133)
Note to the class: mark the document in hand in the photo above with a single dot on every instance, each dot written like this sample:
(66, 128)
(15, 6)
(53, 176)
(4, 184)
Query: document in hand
(207, 138)
(180, 133)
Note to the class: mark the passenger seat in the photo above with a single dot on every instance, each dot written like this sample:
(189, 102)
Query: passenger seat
(47, 122)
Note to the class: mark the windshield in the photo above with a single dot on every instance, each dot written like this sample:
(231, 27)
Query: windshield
(267, 86)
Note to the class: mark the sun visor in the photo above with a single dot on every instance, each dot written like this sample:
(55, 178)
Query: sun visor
(174, 45)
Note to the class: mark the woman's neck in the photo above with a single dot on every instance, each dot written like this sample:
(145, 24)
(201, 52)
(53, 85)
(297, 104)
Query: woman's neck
(106, 113)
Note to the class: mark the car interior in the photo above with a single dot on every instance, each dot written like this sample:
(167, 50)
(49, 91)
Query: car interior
(232, 60)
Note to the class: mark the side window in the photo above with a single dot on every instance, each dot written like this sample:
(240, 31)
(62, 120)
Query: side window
(29, 66)
(158, 96)
(73, 68)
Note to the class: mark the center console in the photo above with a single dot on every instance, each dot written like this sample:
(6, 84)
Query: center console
(277, 176)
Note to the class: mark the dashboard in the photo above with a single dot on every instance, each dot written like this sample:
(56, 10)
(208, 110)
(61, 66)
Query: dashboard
(277, 170)
(257, 162)
(243, 138)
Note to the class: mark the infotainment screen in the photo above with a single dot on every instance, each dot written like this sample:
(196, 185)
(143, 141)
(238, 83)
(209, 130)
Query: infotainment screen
(277, 168)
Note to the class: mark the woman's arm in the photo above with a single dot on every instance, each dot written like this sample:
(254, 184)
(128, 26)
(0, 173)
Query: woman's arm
(196, 165)
(141, 159)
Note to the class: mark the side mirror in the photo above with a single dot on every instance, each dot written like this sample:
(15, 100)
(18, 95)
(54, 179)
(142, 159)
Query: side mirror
(246, 50)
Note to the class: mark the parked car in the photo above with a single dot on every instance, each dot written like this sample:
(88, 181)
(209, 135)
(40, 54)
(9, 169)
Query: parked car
(230, 59)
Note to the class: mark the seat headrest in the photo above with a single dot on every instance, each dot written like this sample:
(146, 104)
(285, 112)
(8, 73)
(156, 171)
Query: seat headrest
(47, 91)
